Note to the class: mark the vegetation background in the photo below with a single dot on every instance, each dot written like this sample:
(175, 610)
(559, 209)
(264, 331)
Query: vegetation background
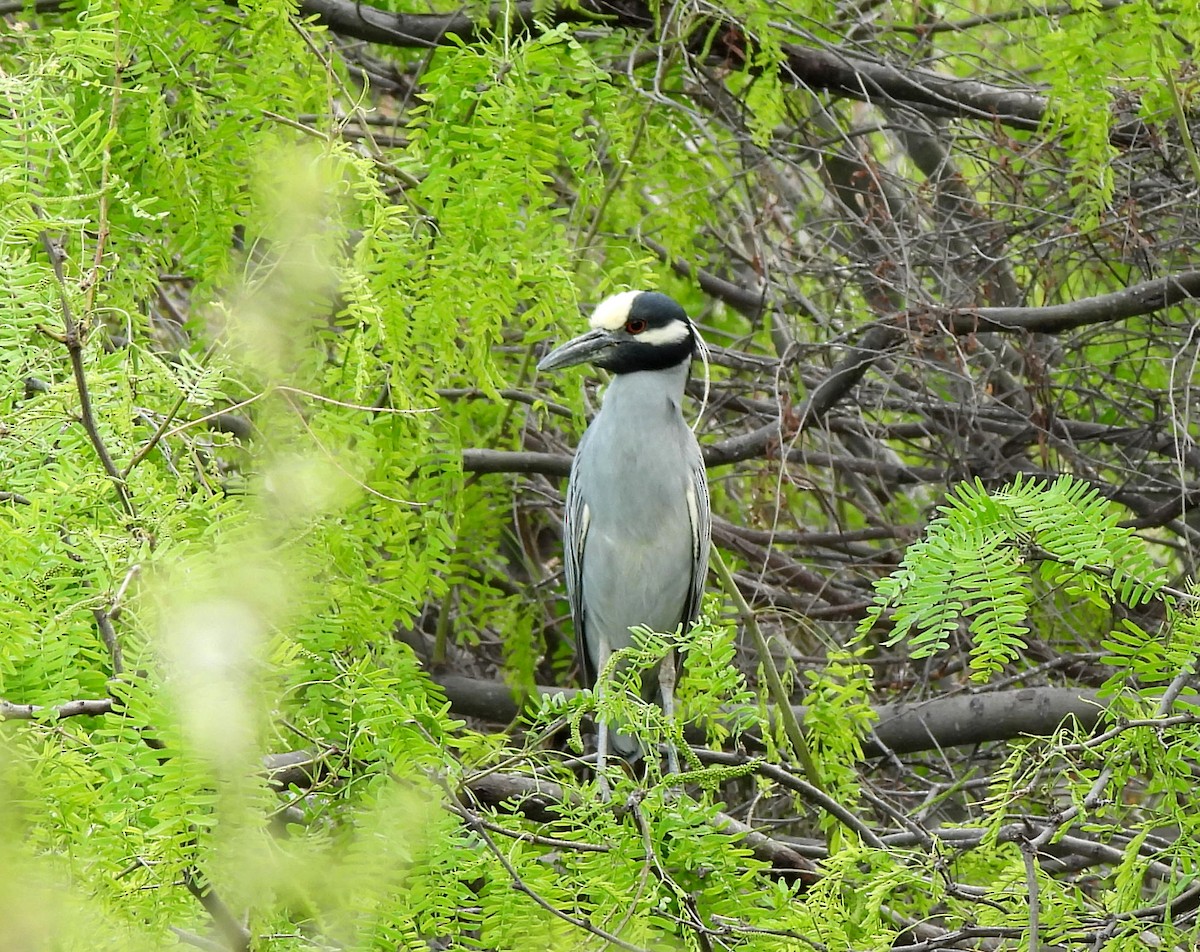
(279, 485)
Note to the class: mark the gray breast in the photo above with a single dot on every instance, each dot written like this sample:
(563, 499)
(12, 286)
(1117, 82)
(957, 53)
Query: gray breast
(637, 565)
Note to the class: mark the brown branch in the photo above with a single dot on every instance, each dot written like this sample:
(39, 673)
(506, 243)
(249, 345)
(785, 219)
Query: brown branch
(785, 862)
(303, 769)
(73, 341)
(10, 7)
(965, 719)
(1023, 12)
(883, 337)
(934, 94)
(475, 823)
(531, 797)
(517, 396)
(785, 570)
(733, 450)
(847, 75)
(810, 793)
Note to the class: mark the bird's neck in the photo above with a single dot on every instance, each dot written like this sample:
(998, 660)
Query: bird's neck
(639, 390)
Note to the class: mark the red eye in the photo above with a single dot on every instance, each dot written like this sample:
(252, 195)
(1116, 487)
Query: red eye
(635, 326)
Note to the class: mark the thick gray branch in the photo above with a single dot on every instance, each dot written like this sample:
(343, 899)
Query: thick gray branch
(902, 727)
(539, 800)
(1135, 301)
(27, 712)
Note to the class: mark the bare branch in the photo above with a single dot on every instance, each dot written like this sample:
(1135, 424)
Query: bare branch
(538, 799)
(504, 461)
(1136, 301)
(73, 341)
(82, 708)
(901, 727)
(743, 300)
(109, 636)
(376, 25)
(237, 937)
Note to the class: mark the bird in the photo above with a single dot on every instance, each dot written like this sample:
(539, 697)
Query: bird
(637, 521)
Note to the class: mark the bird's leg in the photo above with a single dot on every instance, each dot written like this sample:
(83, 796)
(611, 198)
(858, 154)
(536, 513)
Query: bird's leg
(601, 758)
(666, 687)
(601, 725)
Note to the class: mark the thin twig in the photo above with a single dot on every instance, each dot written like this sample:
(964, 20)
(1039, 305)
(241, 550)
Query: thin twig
(476, 825)
(73, 341)
(525, 836)
(808, 791)
(775, 686)
(162, 428)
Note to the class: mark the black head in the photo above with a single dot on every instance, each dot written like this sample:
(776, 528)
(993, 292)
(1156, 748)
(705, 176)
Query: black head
(631, 331)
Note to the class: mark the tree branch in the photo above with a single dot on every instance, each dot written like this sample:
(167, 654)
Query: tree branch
(901, 727)
(538, 799)
(880, 338)
(746, 301)
(109, 636)
(73, 341)
(237, 938)
(81, 708)
(1136, 301)
(374, 25)
(507, 461)
(851, 76)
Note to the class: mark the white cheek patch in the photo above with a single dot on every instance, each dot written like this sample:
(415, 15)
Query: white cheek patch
(612, 313)
(673, 333)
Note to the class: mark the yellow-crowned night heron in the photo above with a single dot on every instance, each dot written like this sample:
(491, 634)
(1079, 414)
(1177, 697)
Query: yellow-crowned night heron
(637, 522)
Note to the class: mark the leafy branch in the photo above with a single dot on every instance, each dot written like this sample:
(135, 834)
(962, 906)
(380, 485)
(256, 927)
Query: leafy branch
(973, 565)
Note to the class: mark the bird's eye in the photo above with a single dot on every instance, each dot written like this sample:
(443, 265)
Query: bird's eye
(635, 326)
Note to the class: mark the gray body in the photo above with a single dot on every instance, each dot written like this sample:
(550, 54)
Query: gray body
(637, 524)
(636, 530)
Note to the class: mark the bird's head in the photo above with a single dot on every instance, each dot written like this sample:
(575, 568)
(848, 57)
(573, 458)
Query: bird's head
(631, 331)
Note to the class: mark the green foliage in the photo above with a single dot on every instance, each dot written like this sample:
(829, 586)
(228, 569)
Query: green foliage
(271, 313)
(837, 718)
(976, 561)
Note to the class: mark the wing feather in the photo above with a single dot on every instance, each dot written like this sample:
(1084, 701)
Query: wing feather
(576, 521)
(700, 517)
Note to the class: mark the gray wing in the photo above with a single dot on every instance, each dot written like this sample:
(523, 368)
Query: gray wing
(700, 515)
(575, 529)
